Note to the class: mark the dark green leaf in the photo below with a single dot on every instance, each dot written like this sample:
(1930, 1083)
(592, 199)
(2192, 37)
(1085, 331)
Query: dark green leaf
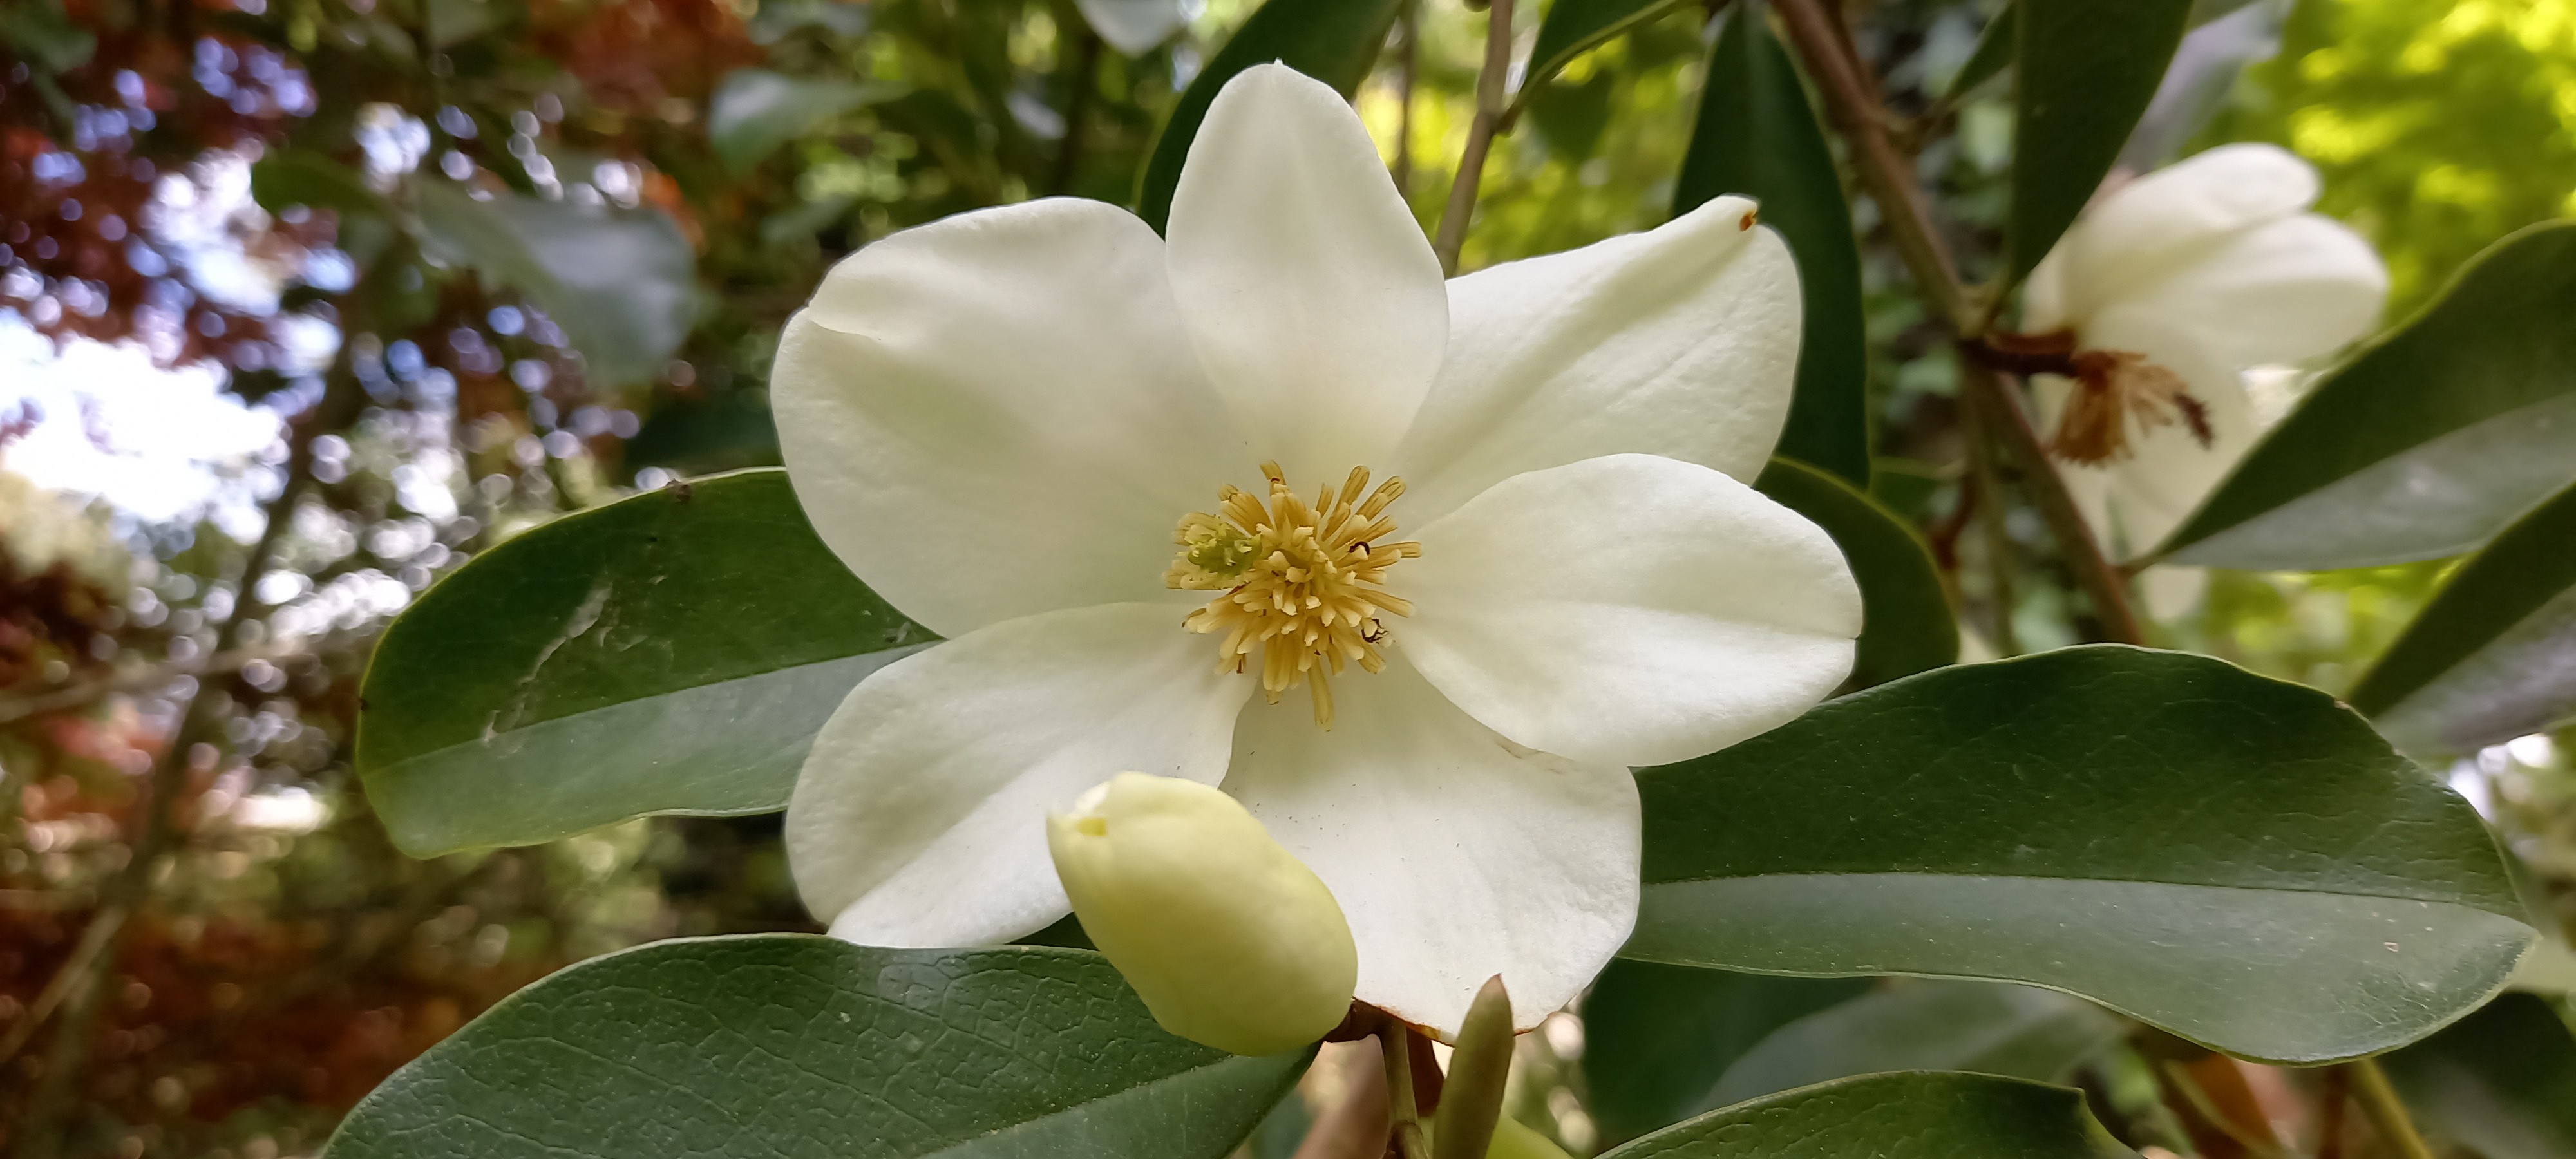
(668, 653)
(2086, 71)
(2427, 441)
(451, 21)
(1573, 27)
(299, 177)
(1572, 117)
(2493, 656)
(2502, 1080)
(1758, 136)
(2236, 859)
(2014, 1031)
(1906, 625)
(1994, 51)
(788, 1045)
(1657, 1037)
(755, 110)
(1333, 41)
(1894, 1116)
(622, 284)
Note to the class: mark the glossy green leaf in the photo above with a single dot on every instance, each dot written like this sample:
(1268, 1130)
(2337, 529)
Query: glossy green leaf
(1906, 624)
(2493, 656)
(1656, 1038)
(1993, 53)
(2426, 442)
(1758, 136)
(289, 177)
(1334, 41)
(1574, 27)
(2014, 1031)
(1894, 1116)
(791, 1046)
(2085, 74)
(621, 283)
(2502, 1080)
(672, 652)
(2236, 859)
(755, 110)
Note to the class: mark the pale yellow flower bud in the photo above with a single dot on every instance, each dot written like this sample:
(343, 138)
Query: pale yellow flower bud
(1230, 940)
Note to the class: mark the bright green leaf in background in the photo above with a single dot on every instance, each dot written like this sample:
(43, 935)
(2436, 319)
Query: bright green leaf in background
(755, 110)
(2502, 1080)
(1906, 623)
(1334, 41)
(1757, 136)
(672, 652)
(790, 1045)
(2236, 859)
(2085, 73)
(2424, 443)
(621, 283)
(2493, 656)
(1894, 1116)
(1916, 1024)
(1657, 1037)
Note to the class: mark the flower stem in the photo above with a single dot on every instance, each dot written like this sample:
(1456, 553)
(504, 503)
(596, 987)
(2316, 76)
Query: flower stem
(1404, 1115)
(1490, 108)
(1888, 175)
(2387, 1112)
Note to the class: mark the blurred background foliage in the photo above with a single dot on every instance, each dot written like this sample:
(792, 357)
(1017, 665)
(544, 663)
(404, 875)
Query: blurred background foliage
(382, 282)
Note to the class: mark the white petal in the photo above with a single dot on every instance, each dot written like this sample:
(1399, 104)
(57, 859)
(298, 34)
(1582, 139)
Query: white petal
(1681, 341)
(1312, 297)
(1629, 610)
(2286, 291)
(920, 817)
(997, 414)
(1455, 854)
(2151, 226)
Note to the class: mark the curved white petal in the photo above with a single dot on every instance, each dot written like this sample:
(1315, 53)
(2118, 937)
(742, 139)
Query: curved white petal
(1312, 297)
(997, 414)
(1455, 854)
(1681, 341)
(2160, 222)
(1629, 610)
(920, 816)
(2285, 291)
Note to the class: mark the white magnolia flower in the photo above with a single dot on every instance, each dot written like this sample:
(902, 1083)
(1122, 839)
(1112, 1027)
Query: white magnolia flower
(1024, 426)
(2173, 288)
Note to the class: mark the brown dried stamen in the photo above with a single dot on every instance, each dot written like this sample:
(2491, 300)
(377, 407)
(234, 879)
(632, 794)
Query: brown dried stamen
(2110, 387)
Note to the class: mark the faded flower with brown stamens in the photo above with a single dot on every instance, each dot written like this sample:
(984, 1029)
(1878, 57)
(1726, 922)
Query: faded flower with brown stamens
(1497, 534)
(2161, 297)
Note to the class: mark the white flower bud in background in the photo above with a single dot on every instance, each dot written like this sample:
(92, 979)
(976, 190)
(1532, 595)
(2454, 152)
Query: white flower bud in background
(1230, 940)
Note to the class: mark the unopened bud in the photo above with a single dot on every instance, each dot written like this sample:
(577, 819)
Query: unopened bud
(1229, 939)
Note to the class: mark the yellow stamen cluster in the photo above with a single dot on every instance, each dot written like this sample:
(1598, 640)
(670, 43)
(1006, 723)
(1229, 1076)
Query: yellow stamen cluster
(1292, 574)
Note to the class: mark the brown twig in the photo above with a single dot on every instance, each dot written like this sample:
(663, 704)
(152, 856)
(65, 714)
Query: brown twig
(1408, 67)
(49, 1108)
(1490, 107)
(1888, 175)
